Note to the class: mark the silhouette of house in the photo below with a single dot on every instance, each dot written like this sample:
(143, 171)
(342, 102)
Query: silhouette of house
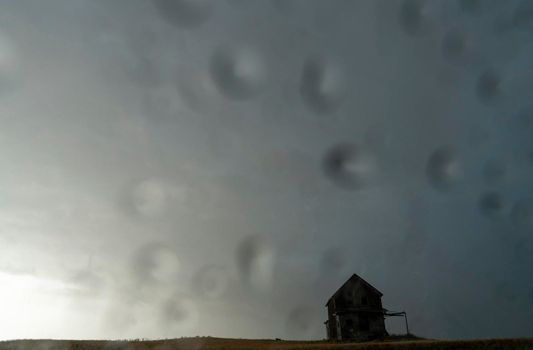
(355, 312)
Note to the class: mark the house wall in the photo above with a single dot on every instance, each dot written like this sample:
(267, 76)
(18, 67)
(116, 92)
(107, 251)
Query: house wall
(331, 321)
(352, 328)
(359, 308)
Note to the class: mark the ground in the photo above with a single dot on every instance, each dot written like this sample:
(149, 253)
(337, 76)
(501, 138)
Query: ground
(210, 343)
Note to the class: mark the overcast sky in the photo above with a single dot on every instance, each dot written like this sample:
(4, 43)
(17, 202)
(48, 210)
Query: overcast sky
(221, 167)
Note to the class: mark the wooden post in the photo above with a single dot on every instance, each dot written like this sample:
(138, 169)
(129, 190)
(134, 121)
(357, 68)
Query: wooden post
(406, 324)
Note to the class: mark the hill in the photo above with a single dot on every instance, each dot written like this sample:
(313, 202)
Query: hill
(210, 343)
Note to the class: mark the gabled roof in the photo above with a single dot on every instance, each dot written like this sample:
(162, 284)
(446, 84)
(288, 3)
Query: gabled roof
(355, 277)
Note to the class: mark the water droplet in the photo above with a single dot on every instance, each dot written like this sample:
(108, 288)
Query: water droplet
(184, 13)
(488, 86)
(522, 213)
(179, 311)
(301, 320)
(255, 260)
(321, 85)
(412, 15)
(149, 198)
(453, 45)
(491, 204)
(349, 166)
(443, 168)
(494, 171)
(210, 281)
(156, 262)
(238, 74)
(333, 260)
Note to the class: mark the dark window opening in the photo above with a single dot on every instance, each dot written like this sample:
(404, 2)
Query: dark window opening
(364, 301)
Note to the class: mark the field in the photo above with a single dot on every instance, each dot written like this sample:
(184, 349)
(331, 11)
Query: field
(210, 343)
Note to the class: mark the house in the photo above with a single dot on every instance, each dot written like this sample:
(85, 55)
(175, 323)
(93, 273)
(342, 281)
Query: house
(355, 312)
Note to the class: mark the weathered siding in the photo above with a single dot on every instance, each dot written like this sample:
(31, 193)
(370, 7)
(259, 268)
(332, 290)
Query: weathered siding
(359, 310)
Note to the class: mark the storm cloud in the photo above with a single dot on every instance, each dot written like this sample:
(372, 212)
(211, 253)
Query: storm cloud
(168, 166)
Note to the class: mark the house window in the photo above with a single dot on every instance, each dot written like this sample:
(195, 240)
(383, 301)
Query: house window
(364, 300)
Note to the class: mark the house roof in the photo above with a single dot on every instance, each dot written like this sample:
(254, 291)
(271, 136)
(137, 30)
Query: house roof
(355, 277)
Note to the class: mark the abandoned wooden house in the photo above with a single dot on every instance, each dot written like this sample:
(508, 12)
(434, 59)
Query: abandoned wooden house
(355, 312)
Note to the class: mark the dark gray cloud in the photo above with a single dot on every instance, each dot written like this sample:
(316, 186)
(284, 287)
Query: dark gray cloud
(168, 165)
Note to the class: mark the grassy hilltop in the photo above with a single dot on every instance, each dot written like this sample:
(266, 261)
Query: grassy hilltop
(210, 343)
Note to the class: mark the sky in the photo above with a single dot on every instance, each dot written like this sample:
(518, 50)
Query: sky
(182, 168)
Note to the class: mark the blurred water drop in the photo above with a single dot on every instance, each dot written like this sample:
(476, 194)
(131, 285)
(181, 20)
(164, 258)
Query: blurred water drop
(491, 204)
(210, 281)
(149, 198)
(184, 13)
(321, 85)
(443, 168)
(412, 15)
(453, 45)
(255, 260)
(156, 262)
(237, 73)
(179, 311)
(488, 86)
(522, 213)
(494, 171)
(349, 166)
(301, 320)
(333, 260)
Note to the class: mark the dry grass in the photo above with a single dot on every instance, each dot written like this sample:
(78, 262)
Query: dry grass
(209, 343)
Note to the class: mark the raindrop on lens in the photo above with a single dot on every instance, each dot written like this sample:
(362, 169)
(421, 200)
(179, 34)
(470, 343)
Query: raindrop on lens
(411, 16)
(453, 45)
(332, 260)
(155, 262)
(300, 320)
(488, 86)
(255, 260)
(184, 13)
(237, 73)
(443, 168)
(180, 311)
(149, 198)
(491, 204)
(210, 281)
(321, 85)
(348, 166)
